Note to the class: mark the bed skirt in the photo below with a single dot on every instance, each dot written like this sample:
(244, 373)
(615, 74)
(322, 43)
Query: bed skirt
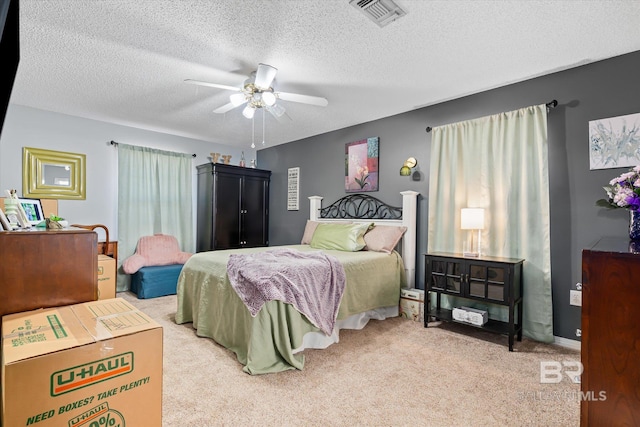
(319, 340)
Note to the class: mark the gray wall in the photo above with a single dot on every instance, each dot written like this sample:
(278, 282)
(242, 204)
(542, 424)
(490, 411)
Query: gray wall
(603, 89)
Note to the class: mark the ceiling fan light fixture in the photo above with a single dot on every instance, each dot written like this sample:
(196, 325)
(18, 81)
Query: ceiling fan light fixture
(249, 111)
(277, 110)
(268, 98)
(237, 99)
(264, 76)
(257, 93)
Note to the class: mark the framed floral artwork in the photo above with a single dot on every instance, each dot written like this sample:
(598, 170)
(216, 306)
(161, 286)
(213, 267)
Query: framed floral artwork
(361, 165)
(614, 142)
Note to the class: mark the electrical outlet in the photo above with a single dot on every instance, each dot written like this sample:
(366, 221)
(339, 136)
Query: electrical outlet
(578, 332)
(575, 298)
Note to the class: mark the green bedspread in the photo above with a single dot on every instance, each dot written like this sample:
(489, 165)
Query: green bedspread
(265, 343)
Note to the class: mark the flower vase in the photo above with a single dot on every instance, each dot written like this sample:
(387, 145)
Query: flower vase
(634, 225)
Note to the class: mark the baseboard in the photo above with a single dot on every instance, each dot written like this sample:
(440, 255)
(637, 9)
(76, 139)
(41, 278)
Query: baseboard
(565, 342)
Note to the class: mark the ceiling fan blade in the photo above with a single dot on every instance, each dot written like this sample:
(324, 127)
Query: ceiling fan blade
(201, 83)
(279, 113)
(304, 99)
(265, 75)
(283, 118)
(226, 107)
(276, 110)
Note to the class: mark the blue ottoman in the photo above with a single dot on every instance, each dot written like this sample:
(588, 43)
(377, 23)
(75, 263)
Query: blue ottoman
(151, 282)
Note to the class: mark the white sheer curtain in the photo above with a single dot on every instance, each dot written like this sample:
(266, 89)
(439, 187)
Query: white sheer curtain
(498, 163)
(154, 196)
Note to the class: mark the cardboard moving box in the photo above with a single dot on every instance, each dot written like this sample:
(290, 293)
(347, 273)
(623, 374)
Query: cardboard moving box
(84, 365)
(106, 277)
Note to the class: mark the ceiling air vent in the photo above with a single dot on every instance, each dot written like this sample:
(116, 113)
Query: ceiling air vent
(382, 12)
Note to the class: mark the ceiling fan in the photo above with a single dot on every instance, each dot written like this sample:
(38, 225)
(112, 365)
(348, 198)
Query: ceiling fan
(257, 92)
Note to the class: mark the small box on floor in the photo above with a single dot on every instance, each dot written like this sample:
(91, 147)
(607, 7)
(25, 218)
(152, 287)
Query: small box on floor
(106, 277)
(96, 363)
(412, 304)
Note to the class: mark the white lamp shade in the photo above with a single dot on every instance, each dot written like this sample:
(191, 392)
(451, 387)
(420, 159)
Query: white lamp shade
(268, 98)
(248, 111)
(472, 219)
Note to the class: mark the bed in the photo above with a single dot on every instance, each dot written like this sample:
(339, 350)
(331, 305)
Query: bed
(275, 338)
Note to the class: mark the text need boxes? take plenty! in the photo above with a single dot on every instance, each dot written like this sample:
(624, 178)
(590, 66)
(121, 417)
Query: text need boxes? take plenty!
(97, 363)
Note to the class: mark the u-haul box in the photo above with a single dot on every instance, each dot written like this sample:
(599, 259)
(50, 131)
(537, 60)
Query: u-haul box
(92, 364)
(106, 277)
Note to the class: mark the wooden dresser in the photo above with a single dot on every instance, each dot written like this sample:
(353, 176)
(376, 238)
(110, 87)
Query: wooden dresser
(611, 334)
(47, 268)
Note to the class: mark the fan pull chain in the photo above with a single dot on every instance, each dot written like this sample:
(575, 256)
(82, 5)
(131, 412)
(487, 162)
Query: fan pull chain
(263, 120)
(253, 132)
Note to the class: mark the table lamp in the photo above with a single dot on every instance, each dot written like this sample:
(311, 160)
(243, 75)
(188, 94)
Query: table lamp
(472, 219)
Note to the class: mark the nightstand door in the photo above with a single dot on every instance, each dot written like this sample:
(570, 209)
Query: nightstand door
(446, 275)
(488, 281)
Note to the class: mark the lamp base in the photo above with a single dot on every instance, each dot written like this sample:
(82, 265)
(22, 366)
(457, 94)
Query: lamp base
(471, 246)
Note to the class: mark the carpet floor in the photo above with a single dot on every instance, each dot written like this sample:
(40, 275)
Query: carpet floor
(391, 373)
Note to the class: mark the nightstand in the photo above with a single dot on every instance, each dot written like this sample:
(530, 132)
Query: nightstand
(485, 279)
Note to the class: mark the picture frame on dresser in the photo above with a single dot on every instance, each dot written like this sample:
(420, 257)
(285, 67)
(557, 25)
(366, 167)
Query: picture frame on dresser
(10, 221)
(33, 210)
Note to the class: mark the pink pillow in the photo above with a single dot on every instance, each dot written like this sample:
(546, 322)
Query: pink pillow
(383, 238)
(309, 229)
(134, 263)
(159, 249)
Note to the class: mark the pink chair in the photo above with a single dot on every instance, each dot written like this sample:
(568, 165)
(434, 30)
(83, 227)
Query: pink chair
(159, 249)
(156, 266)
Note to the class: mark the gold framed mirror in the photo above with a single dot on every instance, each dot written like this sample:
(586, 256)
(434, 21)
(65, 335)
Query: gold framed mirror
(52, 174)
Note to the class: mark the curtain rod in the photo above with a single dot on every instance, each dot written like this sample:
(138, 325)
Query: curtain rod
(552, 104)
(115, 144)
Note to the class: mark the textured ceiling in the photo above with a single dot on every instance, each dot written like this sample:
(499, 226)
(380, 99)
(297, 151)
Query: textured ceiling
(125, 61)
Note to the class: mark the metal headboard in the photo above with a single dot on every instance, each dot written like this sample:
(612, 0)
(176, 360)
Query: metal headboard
(361, 206)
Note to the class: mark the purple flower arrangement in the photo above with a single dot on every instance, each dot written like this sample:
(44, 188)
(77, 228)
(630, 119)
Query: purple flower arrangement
(623, 191)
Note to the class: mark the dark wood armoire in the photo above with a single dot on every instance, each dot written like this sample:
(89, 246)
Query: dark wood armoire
(233, 207)
(610, 381)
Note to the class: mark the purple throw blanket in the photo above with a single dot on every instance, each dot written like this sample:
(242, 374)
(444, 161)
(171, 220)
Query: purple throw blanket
(312, 282)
